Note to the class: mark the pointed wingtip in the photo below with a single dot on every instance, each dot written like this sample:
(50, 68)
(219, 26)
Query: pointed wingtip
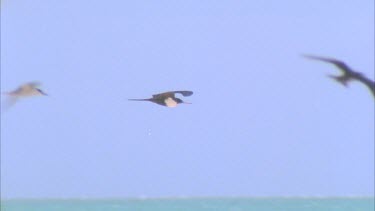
(305, 55)
(309, 56)
(187, 93)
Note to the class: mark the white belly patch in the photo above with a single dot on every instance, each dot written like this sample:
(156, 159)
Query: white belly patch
(170, 102)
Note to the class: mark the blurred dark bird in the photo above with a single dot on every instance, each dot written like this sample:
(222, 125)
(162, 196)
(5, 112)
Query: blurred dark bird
(167, 98)
(348, 74)
(25, 90)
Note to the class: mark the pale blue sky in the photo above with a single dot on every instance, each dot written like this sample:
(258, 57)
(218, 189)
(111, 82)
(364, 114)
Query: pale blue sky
(264, 121)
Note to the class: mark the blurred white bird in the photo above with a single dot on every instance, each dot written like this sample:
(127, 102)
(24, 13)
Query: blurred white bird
(26, 90)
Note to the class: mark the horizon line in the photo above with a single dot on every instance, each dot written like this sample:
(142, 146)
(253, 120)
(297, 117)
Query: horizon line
(193, 197)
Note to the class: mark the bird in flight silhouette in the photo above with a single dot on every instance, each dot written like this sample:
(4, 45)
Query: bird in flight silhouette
(348, 74)
(167, 98)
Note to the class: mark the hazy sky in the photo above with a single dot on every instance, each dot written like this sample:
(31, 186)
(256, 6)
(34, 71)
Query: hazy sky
(264, 120)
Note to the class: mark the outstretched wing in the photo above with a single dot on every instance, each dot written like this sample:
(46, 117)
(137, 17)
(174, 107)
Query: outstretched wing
(26, 87)
(184, 93)
(341, 65)
(29, 86)
(369, 83)
(172, 93)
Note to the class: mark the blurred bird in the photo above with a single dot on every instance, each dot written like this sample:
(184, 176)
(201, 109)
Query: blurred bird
(167, 98)
(347, 75)
(26, 90)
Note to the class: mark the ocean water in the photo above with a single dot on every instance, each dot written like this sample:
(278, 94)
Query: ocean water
(191, 204)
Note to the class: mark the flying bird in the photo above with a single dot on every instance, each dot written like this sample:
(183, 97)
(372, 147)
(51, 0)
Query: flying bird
(348, 74)
(167, 98)
(25, 90)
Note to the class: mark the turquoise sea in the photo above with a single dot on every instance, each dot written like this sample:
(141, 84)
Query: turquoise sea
(191, 204)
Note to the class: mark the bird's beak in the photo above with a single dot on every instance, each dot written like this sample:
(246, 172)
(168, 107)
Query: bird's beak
(187, 103)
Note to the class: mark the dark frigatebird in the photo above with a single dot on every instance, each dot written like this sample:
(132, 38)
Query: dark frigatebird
(167, 98)
(347, 75)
